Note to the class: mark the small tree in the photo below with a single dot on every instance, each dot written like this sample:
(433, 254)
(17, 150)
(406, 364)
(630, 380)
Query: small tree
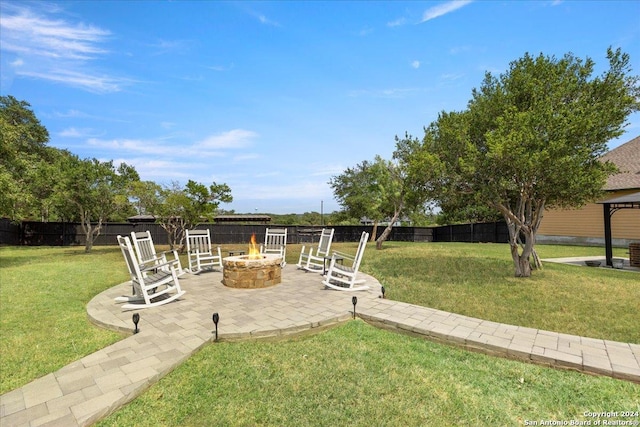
(384, 188)
(182, 208)
(531, 139)
(92, 191)
(145, 197)
(391, 192)
(356, 190)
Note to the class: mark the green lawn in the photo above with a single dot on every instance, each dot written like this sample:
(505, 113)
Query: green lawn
(357, 375)
(354, 373)
(477, 280)
(43, 318)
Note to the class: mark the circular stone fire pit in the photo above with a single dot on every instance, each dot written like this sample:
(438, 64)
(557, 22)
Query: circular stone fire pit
(247, 272)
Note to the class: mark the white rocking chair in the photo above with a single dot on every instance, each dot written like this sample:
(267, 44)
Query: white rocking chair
(200, 253)
(146, 252)
(275, 242)
(153, 285)
(311, 261)
(342, 277)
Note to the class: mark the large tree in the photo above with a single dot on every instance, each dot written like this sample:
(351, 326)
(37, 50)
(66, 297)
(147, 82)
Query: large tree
(532, 139)
(23, 153)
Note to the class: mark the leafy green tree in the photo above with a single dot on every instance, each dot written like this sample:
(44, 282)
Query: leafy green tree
(23, 153)
(91, 192)
(384, 188)
(180, 209)
(357, 191)
(145, 197)
(531, 139)
(464, 209)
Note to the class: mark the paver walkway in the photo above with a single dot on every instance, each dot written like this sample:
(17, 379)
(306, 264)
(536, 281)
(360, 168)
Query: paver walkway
(96, 385)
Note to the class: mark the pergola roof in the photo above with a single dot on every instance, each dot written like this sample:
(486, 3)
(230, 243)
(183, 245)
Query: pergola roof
(628, 201)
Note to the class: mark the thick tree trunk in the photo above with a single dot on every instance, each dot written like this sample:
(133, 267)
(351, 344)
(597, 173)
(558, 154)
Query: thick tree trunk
(385, 234)
(374, 232)
(91, 232)
(175, 228)
(521, 262)
(521, 252)
(523, 223)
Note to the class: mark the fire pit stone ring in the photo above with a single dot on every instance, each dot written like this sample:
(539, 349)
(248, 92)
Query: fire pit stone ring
(251, 271)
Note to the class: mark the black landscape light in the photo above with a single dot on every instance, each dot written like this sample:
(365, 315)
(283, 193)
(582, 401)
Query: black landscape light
(136, 319)
(354, 301)
(216, 319)
(383, 291)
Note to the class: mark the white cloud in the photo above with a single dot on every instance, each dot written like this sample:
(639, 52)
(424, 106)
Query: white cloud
(245, 157)
(302, 190)
(72, 113)
(160, 171)
(46, 47)
(132, 145)
(327, 170)
(27, 33)
(236, 138)
(452, 76)
(212, 146)
(459, 49)
(443, 9)
(84, 115)
(398, 22)
(221, 68)
(415, 64)
(263, 19)
(383, 93)
(86, 81)
(73, 132)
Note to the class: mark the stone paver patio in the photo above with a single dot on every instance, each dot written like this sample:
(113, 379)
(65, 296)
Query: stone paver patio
(98, 384)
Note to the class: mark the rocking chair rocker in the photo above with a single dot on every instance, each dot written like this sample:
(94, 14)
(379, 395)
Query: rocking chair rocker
(153, 285)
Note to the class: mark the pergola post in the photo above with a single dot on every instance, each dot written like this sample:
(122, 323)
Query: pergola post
(611, 206)
(607, 234)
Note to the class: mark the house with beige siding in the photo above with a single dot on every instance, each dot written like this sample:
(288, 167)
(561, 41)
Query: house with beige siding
(586, 225)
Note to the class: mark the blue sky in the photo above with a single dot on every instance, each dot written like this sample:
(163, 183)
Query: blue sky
(274, 98)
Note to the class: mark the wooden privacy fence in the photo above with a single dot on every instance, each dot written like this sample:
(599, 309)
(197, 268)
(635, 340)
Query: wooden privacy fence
(30, 233)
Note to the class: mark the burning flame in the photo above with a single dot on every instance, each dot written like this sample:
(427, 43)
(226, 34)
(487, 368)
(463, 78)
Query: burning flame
(254, 251)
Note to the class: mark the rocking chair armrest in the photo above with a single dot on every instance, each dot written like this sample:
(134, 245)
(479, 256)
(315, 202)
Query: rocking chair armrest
(342, 255)
(150, 267)
(164, 254)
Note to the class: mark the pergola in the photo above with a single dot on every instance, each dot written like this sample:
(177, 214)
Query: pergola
(611, 206)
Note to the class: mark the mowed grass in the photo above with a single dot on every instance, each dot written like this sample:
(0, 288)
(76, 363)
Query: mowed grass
(44, 293)
(478, 280)
(357, 375)
(352, 374)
